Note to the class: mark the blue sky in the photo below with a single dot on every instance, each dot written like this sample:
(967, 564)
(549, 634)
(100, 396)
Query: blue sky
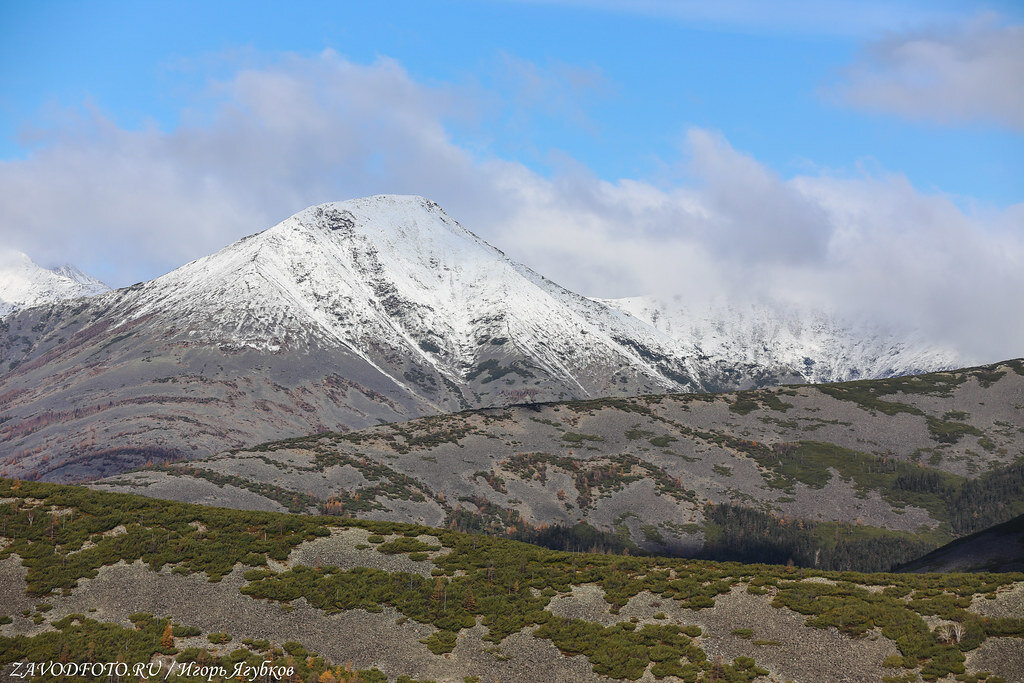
(865, 156)
(762, 79)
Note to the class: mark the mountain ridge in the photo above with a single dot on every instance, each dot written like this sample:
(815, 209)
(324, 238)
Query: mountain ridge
(346, 314)
(383, 281)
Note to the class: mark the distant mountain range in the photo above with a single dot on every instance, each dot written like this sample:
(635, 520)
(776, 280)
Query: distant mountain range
(350, 314)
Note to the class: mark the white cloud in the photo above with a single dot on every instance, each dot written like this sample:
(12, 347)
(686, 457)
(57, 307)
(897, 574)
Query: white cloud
(131, 204)
(971, 72)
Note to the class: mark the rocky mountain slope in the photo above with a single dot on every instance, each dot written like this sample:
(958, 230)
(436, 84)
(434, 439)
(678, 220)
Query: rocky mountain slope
(89, 577)
(861, 475)
(24, 284)
(342, 316)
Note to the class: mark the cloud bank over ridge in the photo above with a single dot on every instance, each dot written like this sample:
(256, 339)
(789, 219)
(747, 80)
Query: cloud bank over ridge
(130, 204)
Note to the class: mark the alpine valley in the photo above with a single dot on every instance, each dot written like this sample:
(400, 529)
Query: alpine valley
(351, 314)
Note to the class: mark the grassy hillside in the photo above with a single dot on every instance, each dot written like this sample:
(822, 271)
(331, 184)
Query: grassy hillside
(95, 577)
(861, 475)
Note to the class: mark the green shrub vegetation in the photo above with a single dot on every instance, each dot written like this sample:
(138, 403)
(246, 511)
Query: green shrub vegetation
(504, 585)
(748, 401)
(404, 544)
(868, 395)
(292, 501)
(577, 438)
(597, 477)
(966, 505)
(76, 638)
(126, 527)
(854, 610)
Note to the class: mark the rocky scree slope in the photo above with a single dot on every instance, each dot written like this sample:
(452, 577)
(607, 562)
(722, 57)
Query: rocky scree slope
(860, 475)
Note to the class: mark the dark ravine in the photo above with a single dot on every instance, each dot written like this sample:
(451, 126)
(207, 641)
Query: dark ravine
(996, 549)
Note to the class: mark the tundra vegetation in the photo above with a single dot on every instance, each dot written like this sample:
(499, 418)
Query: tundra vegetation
(63, 535)
(863, 476)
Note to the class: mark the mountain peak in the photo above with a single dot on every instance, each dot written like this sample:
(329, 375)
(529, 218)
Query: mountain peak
(379, 207)
(387, 220)
(395, 277)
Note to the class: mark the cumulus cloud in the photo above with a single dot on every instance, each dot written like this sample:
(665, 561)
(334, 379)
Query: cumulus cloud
(972, 72)
(276, 139)
(131, 204)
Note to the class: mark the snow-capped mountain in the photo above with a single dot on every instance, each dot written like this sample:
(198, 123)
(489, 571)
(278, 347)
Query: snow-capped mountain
(23, 283)
(345, 315)
(395, 281)
(811, 345)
